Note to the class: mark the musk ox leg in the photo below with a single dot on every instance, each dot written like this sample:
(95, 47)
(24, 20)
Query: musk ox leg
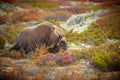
(22, 48)
(15, 47)
(54, 50)
(29, 50)
(19, 48)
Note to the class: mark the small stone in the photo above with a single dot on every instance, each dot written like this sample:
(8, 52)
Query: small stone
(90, 71)
(33, 70)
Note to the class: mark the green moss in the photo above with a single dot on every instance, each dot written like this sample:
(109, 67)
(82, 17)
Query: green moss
(44, 5)
(89, 7)
(2, 42)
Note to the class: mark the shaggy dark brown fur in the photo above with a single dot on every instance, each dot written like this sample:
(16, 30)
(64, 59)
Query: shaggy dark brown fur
(45, 34)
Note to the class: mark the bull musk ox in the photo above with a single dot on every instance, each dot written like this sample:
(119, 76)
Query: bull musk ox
(45, 34)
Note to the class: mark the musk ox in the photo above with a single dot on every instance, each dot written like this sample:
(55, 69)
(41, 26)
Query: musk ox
(45, 34)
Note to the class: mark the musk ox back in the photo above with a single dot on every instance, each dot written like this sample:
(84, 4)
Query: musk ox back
(45, 34)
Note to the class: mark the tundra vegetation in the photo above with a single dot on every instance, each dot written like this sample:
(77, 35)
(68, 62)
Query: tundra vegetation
(99, 61)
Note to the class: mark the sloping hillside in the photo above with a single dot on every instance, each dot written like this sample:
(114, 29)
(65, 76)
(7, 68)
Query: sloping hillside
(92, 30)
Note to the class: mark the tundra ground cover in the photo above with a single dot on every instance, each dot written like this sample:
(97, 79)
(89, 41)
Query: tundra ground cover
(100, 61)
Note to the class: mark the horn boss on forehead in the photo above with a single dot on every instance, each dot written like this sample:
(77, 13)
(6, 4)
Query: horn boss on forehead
(45, 34)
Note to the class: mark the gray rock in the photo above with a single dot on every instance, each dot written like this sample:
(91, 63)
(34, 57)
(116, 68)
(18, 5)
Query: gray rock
(33, 70)
(90, 71)
(81, 22)
(6, 6)
(101, 12)
(77, 20)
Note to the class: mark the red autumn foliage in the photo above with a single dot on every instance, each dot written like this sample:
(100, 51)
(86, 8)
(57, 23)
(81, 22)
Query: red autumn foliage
(67, 58)
(25, 6)
(3, 19)
(81, 0)
(109, 18)
(96, 1)
(15, 73)
(35, 15)
(9, 1)
(73, 10)
(64, 58)
(99, 1)
(25, 16)
(109, 4)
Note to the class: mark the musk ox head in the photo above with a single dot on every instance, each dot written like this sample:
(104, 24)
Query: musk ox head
(44, 34)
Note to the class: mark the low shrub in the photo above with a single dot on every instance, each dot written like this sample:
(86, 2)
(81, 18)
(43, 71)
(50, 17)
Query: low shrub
(3, 19)
(10, 32)
(35, 15)
(110, 24)
(89, 36)
(9, 1)
(106, 27)
(108, 47)
(25, 16)
(114, 47)
(83, 54)
(60, 2)
(107, 61)
(89, 7)
(62, 58)
(2, 42)
(73, 10)
(25, 6)
(109, 4)
(13, 73)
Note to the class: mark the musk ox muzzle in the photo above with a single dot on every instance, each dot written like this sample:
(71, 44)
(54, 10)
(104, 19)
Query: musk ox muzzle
(45, 33)
(61, 45)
